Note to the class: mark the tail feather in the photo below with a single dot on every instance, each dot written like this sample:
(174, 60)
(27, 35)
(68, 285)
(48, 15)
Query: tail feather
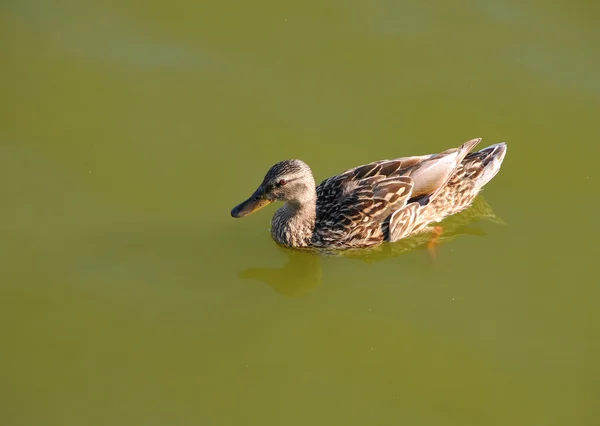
(491, 159)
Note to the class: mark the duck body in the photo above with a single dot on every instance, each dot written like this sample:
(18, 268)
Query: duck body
(386, 200)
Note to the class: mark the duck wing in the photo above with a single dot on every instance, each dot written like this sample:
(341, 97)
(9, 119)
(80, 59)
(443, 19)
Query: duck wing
(352, 206)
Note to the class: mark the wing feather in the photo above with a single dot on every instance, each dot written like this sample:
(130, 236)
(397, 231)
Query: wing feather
(376, 199)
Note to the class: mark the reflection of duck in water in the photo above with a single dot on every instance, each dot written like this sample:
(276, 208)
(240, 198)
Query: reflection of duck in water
(386, 200)
(302, 272)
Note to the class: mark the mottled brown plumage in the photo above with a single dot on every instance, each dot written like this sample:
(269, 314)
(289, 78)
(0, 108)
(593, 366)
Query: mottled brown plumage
(386, 200)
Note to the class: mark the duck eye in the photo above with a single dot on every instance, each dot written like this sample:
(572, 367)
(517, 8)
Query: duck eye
(282, 182)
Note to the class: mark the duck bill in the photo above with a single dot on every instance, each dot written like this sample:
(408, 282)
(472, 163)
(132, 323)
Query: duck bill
(256, 202)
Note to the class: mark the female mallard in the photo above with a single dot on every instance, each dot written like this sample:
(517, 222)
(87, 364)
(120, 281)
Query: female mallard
(382, 201)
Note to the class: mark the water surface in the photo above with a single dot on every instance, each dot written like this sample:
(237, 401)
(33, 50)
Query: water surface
(129, 296)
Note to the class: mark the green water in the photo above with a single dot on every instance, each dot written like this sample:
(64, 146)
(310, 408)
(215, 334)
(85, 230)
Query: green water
(129, 296)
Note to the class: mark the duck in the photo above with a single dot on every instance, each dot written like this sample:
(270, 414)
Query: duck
(366, 206)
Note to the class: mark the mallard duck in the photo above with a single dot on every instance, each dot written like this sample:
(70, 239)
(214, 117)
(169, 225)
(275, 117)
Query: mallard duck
(365, 206)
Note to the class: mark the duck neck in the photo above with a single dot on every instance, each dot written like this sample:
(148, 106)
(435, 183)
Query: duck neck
(294, 223)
